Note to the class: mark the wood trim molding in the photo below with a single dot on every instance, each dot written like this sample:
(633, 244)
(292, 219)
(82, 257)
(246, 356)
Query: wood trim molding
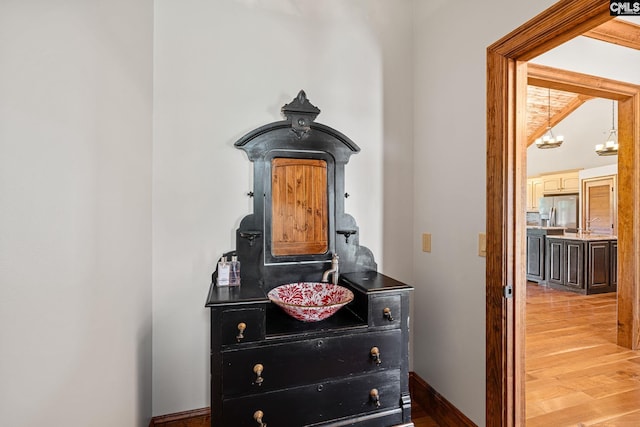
(584, 84)
(435, 405)
(629, 222)
(506, 186)
(561, 22)
(616, 31)
(506, 145)
(193, 418)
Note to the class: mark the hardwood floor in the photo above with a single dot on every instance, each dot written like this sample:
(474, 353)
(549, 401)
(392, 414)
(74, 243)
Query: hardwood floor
(420, 418)
(576, 375)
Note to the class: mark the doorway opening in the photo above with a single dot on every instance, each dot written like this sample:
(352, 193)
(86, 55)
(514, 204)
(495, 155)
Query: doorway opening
(506, 99)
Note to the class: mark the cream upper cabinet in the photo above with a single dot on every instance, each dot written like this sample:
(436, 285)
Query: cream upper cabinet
(534, 193)
(571, 183)
(556, 183)
(567, 182)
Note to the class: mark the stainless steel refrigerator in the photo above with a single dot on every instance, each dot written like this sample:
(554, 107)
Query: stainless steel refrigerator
(559, 211)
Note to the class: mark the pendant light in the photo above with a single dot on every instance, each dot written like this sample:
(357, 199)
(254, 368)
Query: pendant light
(610, 148)
(548, 140)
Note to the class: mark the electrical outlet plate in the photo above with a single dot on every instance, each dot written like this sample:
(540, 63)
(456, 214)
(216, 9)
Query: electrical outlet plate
(426, 242)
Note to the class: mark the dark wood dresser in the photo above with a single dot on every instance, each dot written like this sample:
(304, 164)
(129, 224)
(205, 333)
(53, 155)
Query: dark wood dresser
(269, 369)
(350, 369)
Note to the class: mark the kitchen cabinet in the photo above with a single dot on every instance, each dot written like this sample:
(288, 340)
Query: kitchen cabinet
(581, 264)
(557, 183)
(599, 273)
(536, 251)
(567, 182)
(534, 193)
(565, 264)
(535, 257)
(613, 278)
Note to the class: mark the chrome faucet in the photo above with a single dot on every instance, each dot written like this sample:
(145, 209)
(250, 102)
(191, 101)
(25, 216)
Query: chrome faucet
(589, 221)
(333, 271)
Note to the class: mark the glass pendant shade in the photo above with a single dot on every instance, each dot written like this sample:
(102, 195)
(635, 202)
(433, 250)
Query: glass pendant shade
(610, 147)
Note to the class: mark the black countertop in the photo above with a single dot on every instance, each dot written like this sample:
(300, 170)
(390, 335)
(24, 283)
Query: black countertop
(229, 295)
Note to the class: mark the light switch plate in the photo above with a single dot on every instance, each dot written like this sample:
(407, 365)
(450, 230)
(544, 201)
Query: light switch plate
(426, 242)
(482, 244)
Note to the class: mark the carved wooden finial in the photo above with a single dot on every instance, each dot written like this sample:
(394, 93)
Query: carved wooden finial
(300, 112)
(302, 97)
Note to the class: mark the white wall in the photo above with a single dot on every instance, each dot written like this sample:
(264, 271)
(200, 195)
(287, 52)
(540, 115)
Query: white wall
(598, 58)
(449, 179)
(598, 172)
(75, 180)
(75, 199)
(587, 126)
(223, 68)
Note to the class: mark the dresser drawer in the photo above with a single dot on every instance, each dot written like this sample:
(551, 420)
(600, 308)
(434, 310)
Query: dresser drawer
(309, 361)
(317, 403)
(242, 325)
(385, 310)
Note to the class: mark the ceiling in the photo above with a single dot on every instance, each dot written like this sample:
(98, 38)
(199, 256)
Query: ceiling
(548, 107)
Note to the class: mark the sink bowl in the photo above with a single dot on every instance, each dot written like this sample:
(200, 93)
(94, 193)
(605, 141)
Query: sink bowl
(310, 301)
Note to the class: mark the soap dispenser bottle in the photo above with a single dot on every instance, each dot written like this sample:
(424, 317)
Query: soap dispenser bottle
(224, 269)
(234, 272)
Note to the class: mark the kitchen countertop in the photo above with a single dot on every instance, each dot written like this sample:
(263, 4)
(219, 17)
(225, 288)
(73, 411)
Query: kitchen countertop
(586, 237)
(547, 231)
(540, 227)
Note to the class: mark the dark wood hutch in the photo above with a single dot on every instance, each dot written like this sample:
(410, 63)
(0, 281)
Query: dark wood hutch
(270, 369)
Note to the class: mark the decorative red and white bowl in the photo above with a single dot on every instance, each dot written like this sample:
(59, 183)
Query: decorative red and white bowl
(310, 301)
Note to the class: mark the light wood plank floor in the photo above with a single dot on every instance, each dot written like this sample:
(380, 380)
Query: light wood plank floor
(576, 375)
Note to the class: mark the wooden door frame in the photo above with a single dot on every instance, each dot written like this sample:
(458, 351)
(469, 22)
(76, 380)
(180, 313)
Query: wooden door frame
(506, 184)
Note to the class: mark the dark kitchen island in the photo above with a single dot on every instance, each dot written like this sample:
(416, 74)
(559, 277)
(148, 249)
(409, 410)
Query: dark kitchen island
(582, 263)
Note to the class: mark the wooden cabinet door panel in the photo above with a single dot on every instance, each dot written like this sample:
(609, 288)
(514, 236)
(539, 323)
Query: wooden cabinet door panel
(571, 183)
(299, 207)
(568, 182)
(551, 184)
(574, 268)
(535, 190)
(538, 192)
(555, 258)
(598, 265)
(613, 259)
(535, 257)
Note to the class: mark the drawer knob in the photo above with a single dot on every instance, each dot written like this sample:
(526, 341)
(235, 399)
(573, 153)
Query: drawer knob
(257, 369)
(241, 327)
(373, 394)
(387, 314)
(258, 417)
(375, 355)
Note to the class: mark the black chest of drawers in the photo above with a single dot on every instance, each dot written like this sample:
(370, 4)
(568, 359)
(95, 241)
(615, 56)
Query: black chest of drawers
(348, 370)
